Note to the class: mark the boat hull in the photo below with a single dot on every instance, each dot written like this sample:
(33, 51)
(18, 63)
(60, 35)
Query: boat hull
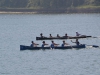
(23, 47)
(50, 38)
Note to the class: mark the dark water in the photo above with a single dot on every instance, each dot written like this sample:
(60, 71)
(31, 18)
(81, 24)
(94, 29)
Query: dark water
(21, 29)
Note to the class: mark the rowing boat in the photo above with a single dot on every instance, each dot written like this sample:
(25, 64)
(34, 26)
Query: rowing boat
(23, 47)
(70, 37)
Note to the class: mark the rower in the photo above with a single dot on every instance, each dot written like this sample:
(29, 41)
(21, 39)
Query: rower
(33, 44)
(50, 36)
(53, 44)
(66, 36)
(44, 44)
(64, 44)
(41, 35)
(58, 35)
(77, 34)
(77, 42)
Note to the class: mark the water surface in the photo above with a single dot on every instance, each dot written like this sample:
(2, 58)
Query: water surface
(21, 29)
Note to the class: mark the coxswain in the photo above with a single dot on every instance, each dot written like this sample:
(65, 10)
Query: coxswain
(64, 44)
(77, 34)
(77, 42)
(33, 44)
(53, 44)
(44, 44)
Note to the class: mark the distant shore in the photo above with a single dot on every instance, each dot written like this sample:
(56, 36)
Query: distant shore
(4, 12)
(36, 11)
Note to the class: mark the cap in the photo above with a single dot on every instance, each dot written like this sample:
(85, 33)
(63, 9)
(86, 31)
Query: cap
(52, 41)
(43, 42)
(41, 34)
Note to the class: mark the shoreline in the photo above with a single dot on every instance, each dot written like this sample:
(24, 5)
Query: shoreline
(44, 11)
(3, 12)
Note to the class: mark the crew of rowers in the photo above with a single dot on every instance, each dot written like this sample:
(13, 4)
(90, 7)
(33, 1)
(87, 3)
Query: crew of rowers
(53, 44)
(66, 36)
(41, 35)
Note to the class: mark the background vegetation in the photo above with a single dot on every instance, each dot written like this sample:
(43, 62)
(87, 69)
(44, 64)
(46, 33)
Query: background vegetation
(49, 4)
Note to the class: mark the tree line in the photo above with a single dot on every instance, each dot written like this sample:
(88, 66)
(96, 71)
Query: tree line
(43, 4)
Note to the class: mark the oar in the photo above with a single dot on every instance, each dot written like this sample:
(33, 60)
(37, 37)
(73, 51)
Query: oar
(95, 46)
(96, 37)
(70, 46)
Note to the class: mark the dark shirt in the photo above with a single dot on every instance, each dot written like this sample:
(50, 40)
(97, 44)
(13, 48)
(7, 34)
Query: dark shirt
(63, 45)
(52, 45)
(32, 45)
(43, 45)
(77, 43)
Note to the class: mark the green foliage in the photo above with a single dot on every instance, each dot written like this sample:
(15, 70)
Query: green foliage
(46, 4)
(97, 2)
(55, 3)
(13, 3)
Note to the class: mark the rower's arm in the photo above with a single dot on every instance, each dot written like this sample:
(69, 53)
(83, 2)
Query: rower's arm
(36, 44)
(46, 44)
(66, 43)
(56, 44)
(72, 41)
